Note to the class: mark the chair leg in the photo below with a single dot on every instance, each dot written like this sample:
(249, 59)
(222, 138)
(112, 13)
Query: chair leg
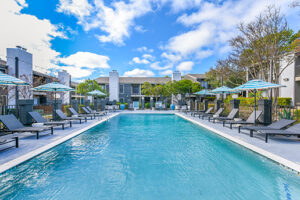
(63, 127)
(239, 128)
(266, 139)
(37, 135)
(79, 121)
(17, 142)
(70, 124)
(52, 130)
(223, 123)
(230, 125)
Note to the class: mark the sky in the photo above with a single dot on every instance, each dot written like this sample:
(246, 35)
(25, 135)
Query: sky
(89, 38)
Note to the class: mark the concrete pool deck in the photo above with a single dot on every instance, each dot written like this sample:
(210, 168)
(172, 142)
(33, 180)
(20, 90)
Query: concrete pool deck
(281, 150)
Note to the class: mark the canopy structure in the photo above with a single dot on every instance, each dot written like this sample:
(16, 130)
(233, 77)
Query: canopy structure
(10, 80)
(53, 87)
(96, 93)
(255, 85)
(204, 92)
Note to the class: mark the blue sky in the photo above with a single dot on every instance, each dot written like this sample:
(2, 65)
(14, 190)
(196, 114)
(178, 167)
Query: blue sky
(89, 38)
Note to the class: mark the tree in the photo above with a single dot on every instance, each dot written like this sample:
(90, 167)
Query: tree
(88, 86)
(181, 88)
(147, 89)
(157, 91)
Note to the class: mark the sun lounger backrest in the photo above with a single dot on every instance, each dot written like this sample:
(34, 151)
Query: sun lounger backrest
(251, 118)
(60, 114)
(281, 123)
(219, 112)
(209, 110)
(86, 110)
(233, 113)
(295, 128)
(37, 117)
(11, 122)
(73, 111)
(89, 109)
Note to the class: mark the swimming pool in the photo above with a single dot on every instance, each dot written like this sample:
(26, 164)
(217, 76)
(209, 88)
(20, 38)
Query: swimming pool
(149, 156)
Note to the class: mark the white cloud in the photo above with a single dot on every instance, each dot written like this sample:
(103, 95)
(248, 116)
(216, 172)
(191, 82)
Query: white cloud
(28, 31)
(77, 72)
(144, 49)
(204, 53)
(180, 5)
(167, 72)
(192, 41)
(185, 66)
(86, 59)
(79, 8)
(139, 73)
(171, 57)
(157, 66)
(137, 60)
(148, 56)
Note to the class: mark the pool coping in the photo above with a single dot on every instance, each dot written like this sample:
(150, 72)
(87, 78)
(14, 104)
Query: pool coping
(278, 159)
(17, 161)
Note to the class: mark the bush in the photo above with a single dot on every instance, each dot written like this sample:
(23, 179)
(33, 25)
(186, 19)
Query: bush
(211, 105)
(92, 106)
(66, 109)
(80, 109)
(284, 101)
(147, 105)
(210, 98)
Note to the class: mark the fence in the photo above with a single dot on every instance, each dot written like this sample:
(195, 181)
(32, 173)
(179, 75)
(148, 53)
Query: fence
(286, 112)
(8, 109)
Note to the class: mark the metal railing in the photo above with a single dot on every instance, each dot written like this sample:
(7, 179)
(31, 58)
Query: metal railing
(8, 109)
(286, 112)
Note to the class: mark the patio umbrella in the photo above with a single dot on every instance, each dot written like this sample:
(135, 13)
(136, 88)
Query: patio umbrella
(53, 87)
(96, 93)
(10, 80)
(204, 92)
(223, 90)
(256, 85)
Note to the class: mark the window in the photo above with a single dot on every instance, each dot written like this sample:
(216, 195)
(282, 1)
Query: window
(135, 89)
(121, 88)
(121, 100)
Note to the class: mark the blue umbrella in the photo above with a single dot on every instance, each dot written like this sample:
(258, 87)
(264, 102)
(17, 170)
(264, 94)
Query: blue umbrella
(53, 87)
(96, 93)
(10, 80)
(204, 92)
(223, 90)
(255, 85)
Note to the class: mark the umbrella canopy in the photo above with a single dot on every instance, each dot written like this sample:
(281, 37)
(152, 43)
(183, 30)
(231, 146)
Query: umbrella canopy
(53, 87)
(223, 90)
(257, 85)
(204, 92)
(10, 80)
(96, 93)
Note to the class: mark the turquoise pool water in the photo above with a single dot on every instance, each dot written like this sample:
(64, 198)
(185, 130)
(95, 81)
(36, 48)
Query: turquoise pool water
(149, 157)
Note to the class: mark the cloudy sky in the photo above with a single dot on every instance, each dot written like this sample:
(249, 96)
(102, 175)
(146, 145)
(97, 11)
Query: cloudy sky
(89, 38)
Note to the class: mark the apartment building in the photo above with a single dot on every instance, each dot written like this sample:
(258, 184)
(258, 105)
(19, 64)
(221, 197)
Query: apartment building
(129, 89)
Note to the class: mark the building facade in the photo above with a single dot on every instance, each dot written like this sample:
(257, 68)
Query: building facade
(129, 89)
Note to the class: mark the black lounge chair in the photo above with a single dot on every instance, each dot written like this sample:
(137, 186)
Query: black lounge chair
(251, 119)
(13, 125)
(230, 116)
(38, 118)
(62, 116)
(291, 131)
(197, 112)
(216, 114)
(74, 112)
(14, 140)
(94, 111)
(274, 126)
(208, 111)
(94, 114)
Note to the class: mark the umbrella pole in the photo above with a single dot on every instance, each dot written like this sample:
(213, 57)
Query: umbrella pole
(254, 107)
(54, 104)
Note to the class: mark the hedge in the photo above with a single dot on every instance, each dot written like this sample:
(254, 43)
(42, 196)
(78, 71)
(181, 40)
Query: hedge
(284, 101)
(68, 113)
(80, 108)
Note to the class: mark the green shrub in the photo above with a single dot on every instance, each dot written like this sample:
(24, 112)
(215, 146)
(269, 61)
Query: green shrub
(147, 105)
(92, 106)
(80, 109)
(284, 101)
(210, 98)
(66, 110)
(211, 105)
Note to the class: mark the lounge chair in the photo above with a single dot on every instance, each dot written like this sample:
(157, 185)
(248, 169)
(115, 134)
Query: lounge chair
(14, 140)
(13, 125)
(230, 116)
(38, 118)
(200, 112)
(293, 130)
(74, 112)
(94, 114)
(94, 111)
(216, 114)
(208, 111)
(62, 116)
(251, 119)
(274, 126)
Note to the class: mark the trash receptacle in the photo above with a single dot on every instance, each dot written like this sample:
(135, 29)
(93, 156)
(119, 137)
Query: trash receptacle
(122, 106)
(172, 106)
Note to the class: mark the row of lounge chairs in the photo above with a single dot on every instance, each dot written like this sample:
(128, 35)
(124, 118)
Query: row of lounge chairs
(282, 127)
(10, 124)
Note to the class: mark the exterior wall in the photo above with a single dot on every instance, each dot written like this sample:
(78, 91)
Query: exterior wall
(176, 76)
(65, 78)
(287, 78)
(25, 72)
(114, 86)
(126, 94)
(297, 85)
